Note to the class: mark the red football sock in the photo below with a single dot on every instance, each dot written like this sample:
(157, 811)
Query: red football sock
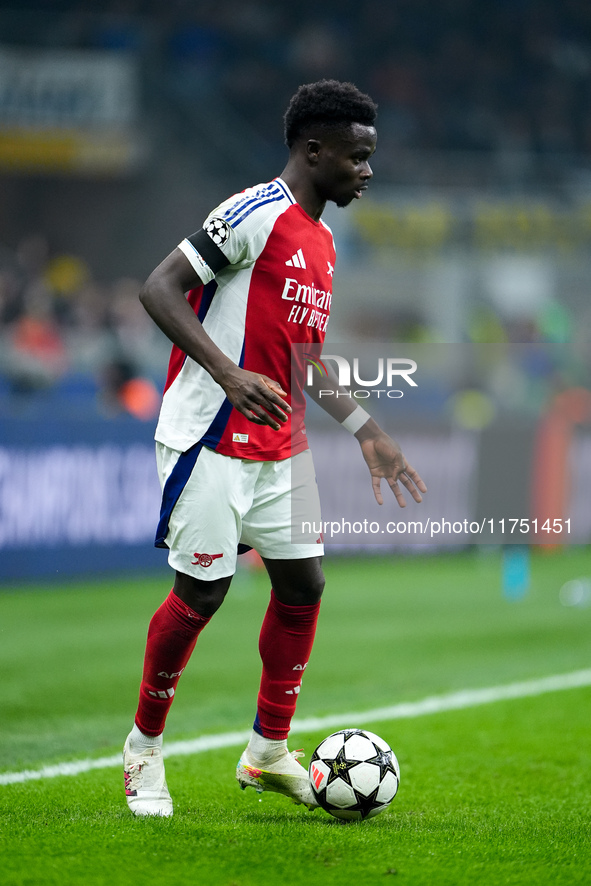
(285, 645)
(172, 636)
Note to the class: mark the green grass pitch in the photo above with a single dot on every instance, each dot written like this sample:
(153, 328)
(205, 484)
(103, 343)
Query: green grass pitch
(496, 794)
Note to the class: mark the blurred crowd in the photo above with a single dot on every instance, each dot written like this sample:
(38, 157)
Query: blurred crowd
(456, 74)
(507, 75)
(58, 322)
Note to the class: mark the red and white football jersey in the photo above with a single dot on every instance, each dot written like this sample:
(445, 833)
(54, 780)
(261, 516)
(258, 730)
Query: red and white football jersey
(266, 269)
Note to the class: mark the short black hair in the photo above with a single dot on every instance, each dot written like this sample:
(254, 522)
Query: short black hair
(327, 103)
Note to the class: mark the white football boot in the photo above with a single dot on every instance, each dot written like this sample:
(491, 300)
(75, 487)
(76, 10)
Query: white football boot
(283, 776)
(145, 783)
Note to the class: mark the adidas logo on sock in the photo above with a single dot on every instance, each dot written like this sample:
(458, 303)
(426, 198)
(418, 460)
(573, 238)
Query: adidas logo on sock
(297, 260)
(161, 693)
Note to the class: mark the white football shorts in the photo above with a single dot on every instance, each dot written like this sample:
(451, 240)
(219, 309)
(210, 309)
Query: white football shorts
(212, 503)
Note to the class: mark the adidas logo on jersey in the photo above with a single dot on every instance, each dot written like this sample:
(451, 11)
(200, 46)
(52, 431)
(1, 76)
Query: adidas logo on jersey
(297, 260)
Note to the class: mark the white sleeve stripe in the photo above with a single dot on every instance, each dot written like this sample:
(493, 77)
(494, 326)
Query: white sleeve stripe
(199, 265)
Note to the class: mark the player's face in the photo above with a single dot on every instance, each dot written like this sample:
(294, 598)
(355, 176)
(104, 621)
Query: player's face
(343, 171)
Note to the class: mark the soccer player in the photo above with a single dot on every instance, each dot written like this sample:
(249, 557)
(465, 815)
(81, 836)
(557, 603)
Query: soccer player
(259, 277)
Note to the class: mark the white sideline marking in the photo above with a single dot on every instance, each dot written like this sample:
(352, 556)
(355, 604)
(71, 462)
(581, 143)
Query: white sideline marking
(436, 704)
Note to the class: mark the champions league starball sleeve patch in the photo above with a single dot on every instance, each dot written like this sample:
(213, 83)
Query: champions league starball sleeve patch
(218, 230)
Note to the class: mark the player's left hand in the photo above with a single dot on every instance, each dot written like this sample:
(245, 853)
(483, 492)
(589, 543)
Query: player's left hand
(386, 462)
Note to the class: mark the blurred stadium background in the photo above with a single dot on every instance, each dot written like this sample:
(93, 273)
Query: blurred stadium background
(123, 123)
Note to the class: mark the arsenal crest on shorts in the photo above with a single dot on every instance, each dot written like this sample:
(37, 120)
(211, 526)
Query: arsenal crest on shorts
(205, 559)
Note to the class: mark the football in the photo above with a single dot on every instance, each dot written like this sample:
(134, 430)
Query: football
(354, 774)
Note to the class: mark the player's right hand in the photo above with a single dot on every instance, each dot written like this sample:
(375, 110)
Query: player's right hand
(257, 397)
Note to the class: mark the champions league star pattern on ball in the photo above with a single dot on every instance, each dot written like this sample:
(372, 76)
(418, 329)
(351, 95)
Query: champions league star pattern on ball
(354, 774)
